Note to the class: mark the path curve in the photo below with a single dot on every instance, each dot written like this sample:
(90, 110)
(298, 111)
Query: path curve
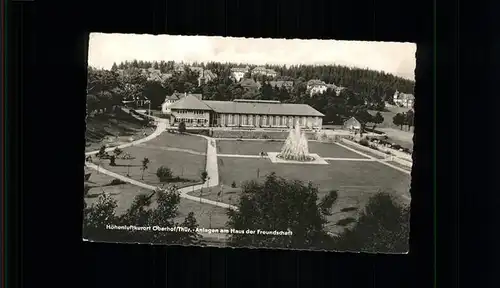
(211, 166)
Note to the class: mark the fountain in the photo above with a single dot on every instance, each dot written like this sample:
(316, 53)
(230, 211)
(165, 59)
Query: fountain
(295, 150)
(296, 147)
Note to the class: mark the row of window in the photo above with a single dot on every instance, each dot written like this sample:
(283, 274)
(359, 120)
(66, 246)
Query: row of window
(195, 112)
(229, 119)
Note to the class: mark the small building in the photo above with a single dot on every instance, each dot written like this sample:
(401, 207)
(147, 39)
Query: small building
(282, 84)
(352, 124)
(191, 110)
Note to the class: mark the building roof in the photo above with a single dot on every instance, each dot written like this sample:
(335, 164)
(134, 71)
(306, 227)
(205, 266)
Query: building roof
(175, 96)
(239, 69)
(249, 83)
(352, 121)
(281, 83)
(190, 102)
(315, 82)
(259, 107)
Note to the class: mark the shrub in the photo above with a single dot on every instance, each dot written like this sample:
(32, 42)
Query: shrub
(164, 173)
(233, 185)
(116, 182)
(182, 127)
(364, 142)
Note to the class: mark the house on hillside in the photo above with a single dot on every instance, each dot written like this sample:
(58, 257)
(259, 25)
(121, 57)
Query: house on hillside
(206, 76)
(335, 88)
(352, 124)
(179, 67)
(264, 71)
(238, 73)
(403, 100)
(279, 84)
(250, 84)
(316, 86)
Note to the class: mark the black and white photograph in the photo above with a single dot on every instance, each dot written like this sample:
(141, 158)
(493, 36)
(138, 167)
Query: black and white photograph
(253, 143)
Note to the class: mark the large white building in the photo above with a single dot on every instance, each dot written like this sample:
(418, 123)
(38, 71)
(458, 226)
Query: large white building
(238, 73)
(193, 111)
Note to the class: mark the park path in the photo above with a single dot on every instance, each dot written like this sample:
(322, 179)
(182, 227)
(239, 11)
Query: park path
(324, 158)
(211, 167)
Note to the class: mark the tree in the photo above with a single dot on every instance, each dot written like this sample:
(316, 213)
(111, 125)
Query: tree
(164, 173)
(203, 176)
(112, 160)
(128, 157)
(409, 118)
(377, 119)
(155, 92)
(102, 152)
(281, 205)
(141, 214)
(145, 163)
(383, 227)
(399, 120)
(190, 236)
(114, 67)
(182, 127)
(364, 117)
(117, 151)
(98, 215)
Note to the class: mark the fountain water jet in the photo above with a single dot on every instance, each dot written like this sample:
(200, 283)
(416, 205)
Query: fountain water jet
(296, 147)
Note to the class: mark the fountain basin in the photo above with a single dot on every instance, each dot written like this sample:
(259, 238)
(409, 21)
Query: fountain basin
(314, 159)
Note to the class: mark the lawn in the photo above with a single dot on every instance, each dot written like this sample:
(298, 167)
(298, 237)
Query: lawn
(207, 216)
(113, 130)
(348, 176)
(181, 141)
(184, 165)
(356, 182)
(124, 194)
(255, 147)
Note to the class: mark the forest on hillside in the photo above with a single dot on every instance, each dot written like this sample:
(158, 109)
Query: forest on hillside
(368, 83)
(363, 91)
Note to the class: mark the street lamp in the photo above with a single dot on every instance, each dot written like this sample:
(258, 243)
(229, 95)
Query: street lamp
(149, 106)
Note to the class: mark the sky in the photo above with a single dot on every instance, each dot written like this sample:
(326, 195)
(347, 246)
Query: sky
(391, 57)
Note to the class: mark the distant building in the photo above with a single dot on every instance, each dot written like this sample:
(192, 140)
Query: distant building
(238, 73)
(316, 86)
(264, 71)
(250, 84)
(179, 67)
(403, 100)
(206, 76)
(194, 111)
(335, 88)
(282, 84)
(352, 124)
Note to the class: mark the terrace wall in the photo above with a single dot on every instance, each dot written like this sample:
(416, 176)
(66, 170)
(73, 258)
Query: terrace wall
(256, 134)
